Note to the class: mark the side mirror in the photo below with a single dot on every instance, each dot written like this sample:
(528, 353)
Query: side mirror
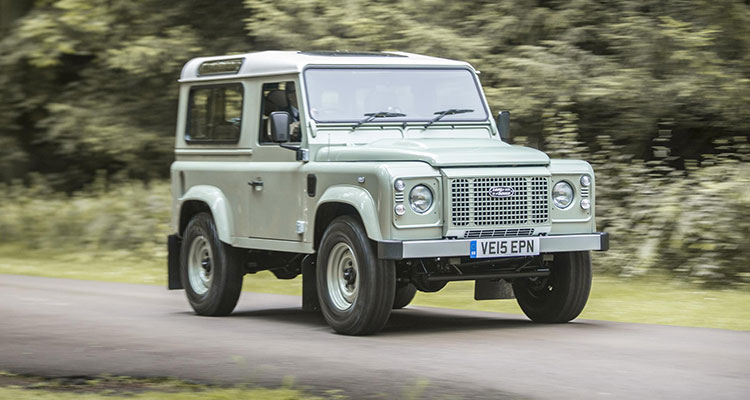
(503, 125)
(279, 121)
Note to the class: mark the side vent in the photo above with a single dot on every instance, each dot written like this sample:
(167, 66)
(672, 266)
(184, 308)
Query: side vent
(182, 183)
(312, 182)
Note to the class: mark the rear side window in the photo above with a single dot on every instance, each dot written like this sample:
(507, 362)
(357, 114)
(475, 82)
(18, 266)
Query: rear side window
(215, 114)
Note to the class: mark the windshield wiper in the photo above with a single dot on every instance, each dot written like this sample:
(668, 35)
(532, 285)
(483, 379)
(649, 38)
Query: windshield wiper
(372, 116)
(450, 111)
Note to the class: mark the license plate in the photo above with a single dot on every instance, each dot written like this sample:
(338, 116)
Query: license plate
(506, 247)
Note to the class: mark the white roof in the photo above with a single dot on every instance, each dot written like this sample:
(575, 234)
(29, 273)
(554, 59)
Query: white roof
(290, 62)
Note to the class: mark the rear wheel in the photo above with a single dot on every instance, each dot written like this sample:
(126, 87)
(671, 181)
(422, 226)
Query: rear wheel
(561, 296)
(355, 289)
(211, 271)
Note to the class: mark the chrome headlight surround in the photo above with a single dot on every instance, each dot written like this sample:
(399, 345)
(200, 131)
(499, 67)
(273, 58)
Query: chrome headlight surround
(421, 199)
(562, 195)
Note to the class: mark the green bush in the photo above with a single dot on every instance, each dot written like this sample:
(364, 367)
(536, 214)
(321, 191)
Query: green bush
(691, 223)
(130, 216)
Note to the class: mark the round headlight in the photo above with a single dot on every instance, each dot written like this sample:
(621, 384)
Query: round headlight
(399, 209)
(585, 204)
(562, 194)
(399, 185)
(585, 180)
(420, 199)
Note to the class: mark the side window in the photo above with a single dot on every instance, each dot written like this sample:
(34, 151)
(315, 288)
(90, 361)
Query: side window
(214, 114)
(279, 96)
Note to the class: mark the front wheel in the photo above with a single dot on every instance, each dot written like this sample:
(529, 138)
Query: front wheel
(355, 289)
(561, 296)
(211, 271)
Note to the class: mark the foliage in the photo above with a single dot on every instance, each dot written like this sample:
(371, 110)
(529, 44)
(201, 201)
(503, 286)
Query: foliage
(620, 67)
(653, 92)
(91, 85)
(690, 223)
(108, 387)
(123, 216)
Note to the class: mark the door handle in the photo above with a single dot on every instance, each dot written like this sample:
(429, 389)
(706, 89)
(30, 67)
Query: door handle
(257, 184)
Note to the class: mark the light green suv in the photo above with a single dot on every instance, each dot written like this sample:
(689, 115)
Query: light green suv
(373, 175)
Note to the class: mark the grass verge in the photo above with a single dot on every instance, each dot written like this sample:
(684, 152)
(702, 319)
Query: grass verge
(20, 387)
(654, 300)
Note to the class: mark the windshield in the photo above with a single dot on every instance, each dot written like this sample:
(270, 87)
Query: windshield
(349, 94)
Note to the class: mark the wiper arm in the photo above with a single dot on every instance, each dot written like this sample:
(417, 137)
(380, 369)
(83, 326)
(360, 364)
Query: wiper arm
(372, 116)
(450, 111)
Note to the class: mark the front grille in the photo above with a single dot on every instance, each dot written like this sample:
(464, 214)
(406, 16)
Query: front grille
(526, 201)
(495, 233)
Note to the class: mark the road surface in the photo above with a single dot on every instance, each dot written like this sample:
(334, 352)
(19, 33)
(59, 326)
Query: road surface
(58, 327)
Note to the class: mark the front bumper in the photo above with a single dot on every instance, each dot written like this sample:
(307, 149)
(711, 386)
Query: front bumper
(399, 250)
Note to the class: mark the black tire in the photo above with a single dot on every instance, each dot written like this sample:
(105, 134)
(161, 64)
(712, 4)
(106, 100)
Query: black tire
(562, 295)
(216, 295)
(370, 283)
(404, 296)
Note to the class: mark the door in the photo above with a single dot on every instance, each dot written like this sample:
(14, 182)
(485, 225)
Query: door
(276, 183)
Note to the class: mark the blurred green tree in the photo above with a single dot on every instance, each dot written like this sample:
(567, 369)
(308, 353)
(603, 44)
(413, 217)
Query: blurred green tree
(90, 85)
(621, 67)
(653, 92)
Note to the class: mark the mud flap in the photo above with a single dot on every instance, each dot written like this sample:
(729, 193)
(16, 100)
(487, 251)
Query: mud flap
(488, 289)
(174, 243)
(310, 300)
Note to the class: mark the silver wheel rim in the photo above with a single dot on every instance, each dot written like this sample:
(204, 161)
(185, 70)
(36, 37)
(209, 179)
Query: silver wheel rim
(342, 276)
(200, 265)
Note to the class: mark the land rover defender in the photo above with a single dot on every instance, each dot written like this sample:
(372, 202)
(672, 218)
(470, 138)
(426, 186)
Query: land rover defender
(373, 175)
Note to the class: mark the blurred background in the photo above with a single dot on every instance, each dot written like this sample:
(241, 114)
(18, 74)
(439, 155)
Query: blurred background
(655, 94)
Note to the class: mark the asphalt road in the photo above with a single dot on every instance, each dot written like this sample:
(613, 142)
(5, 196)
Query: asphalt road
(57, 327)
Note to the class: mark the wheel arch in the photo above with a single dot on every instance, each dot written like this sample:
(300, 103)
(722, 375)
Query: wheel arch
(346, 200)
(206, 198)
